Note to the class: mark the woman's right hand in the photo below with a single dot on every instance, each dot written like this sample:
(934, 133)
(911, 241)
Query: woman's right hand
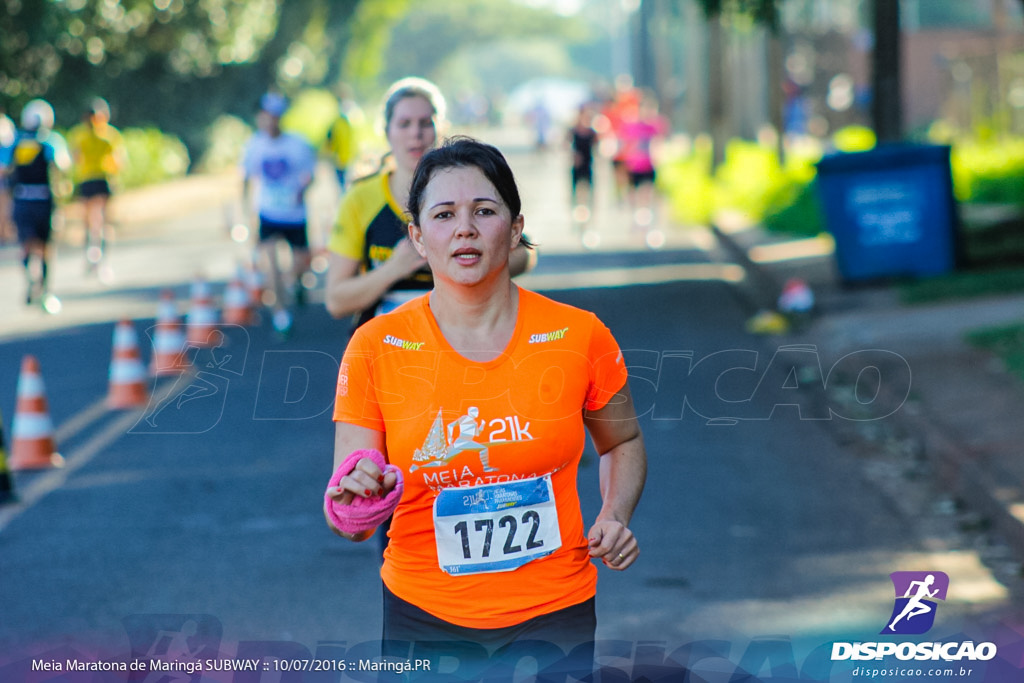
(405, 259)
(364, 481)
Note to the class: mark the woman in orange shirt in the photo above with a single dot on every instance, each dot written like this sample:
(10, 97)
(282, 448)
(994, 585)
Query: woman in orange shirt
(480, 396)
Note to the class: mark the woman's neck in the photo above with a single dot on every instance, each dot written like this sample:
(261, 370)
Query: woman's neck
(478, 322)
(399, 182)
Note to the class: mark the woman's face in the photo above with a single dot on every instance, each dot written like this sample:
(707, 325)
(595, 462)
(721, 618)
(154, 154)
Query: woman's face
(268, 123)
(465, 229)
(411, 131)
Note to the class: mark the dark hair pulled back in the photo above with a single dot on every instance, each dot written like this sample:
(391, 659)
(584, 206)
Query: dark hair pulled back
(466, 152)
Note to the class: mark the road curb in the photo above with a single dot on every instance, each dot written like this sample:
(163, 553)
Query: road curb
(761, 288)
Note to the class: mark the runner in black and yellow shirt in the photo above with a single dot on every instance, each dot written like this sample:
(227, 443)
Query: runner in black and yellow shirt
(373, 268)
(28, 166)
(370, 230)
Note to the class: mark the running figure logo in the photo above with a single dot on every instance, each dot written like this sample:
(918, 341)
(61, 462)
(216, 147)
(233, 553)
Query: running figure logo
(195, 402)
(462, 433)
(916, 594)
(173, 646)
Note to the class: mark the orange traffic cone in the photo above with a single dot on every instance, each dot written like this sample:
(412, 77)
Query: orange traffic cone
(238, 308)
(6, 485)
(256, 283)
(32, 444)
(127, 373)
(202, 318)
(169, 356)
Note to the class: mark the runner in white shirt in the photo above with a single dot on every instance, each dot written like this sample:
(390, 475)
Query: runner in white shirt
(282, 164)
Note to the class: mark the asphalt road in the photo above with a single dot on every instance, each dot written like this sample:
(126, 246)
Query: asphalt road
(198, 518)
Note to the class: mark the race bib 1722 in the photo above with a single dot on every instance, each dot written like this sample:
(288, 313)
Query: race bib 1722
(495, 527)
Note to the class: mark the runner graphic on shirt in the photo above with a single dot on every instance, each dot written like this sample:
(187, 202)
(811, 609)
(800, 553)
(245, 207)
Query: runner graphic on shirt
(437, 450)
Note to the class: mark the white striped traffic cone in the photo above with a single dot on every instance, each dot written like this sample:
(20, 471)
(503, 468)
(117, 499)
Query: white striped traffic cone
(238, 308)
(32, 441)
(201, 321)
(127, 373)
(169, 356)
(256, 283)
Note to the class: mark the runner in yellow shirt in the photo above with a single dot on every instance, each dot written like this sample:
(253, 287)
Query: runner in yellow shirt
(98, 155)
(341, 146)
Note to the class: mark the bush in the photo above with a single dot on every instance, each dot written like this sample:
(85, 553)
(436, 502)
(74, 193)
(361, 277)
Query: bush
(797, 211)
(750, 181)
(1007, 342)
(748, 177)
(153, 157)
(989, 172)
(226, 140)
(686, 182)
(311, 115)
(793, 206)
(854, 139)
(784, 199)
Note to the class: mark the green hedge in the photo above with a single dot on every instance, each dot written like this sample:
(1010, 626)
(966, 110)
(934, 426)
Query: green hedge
(783, 197)
(226, 140)
(750, 180)
(989, 172)
(153, 157)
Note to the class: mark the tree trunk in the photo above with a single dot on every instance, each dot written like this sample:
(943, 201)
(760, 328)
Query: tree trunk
(716, 88)
(886, 107)
(776, 101)
(1001, 113)
(644, 47)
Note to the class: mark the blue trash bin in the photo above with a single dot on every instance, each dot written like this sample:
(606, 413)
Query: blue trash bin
(891, 211)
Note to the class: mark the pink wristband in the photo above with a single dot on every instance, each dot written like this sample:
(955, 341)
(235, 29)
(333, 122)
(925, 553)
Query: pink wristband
(362, 514)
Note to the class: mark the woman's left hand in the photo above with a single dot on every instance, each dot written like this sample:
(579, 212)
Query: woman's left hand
(614, 543)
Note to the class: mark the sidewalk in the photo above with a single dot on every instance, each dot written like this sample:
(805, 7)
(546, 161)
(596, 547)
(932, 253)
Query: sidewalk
(163, 237)
(963, 413)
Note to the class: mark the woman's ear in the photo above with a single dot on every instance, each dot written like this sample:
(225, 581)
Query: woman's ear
(517, 230)
(416, 237)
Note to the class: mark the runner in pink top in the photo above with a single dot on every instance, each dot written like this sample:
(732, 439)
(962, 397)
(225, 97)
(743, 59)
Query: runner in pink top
(639, 134)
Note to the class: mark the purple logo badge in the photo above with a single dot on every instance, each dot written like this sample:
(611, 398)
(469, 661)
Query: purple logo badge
(916, 594)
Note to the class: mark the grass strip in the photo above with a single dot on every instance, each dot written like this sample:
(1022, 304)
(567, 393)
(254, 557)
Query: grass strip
(963, 285)
(1005, 341)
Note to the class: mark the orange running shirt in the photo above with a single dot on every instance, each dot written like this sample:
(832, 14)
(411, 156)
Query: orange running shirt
(452, 422)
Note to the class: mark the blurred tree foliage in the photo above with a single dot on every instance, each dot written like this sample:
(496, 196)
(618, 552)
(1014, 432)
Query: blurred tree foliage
(370, 40)
(764, 12)
(152, 157)
(442, 31)
(176, 65)
(456, 28)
